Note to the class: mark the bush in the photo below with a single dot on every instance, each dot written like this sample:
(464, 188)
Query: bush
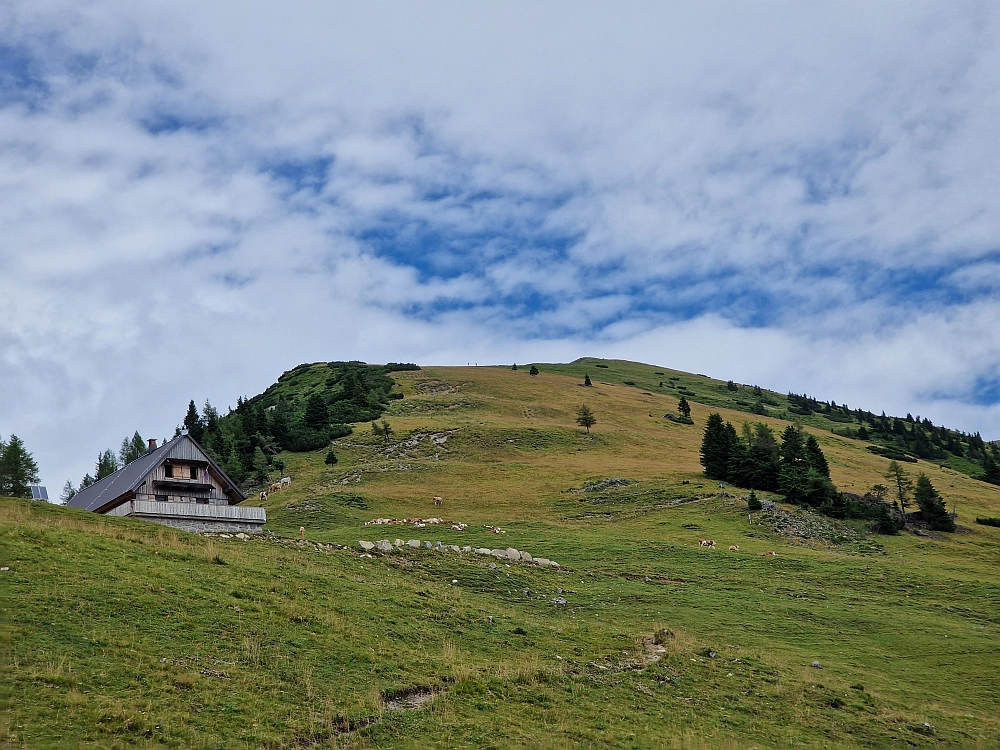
(401, 366)
(340, 430)
(302, 439)
(603, 367)
(989, 522)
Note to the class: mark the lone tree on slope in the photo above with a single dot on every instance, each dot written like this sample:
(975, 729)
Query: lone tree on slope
(586, 381)
(932, 506)
(533, 371)
(684, 408)
(901, 482)
(585, 417)
(18, 470)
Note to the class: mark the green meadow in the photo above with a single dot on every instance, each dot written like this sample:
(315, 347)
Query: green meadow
(118, 634)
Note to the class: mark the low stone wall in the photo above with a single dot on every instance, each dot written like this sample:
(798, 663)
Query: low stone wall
(184, 524)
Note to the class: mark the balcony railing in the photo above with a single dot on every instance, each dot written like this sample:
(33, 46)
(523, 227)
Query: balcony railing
(190, 510)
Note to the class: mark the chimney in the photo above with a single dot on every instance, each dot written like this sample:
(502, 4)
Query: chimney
(152, 444)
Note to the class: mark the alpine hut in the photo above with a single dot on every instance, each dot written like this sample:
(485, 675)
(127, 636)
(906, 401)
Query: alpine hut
(178, 485)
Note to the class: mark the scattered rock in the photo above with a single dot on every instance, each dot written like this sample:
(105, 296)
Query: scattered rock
(817, 665)
(366, 546)
(525, 557)
(559, 600)
(415, 543)
(384, 545)
(513, 555)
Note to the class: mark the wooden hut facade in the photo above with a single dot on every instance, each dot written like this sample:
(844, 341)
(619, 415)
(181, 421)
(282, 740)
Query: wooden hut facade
(178, 485)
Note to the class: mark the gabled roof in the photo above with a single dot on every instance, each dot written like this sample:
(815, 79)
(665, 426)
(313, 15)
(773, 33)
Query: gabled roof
(101, 494)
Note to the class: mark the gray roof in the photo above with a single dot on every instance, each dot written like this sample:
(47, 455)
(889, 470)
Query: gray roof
(101, 494)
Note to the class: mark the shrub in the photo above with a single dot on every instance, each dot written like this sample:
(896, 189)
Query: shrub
(343, 430)
(303, 439)
(401, 366)
(989, 522)
(603, 367)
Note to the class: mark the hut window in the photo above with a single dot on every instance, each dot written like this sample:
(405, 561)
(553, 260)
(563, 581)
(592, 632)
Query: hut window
(161, 498)
(194, 472)
(168, 470)
(202, 501)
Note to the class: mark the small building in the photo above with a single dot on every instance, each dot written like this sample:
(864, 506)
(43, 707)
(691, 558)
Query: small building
(178, 485)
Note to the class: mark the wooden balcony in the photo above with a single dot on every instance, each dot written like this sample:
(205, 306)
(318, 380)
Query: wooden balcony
(191, 511)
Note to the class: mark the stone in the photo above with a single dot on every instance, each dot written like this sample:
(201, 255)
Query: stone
(559, 600)
(817, 665)
(384, 545)
(542, 561)
(466, 549)
(500, 553)
(482, 551)
(398, 543)
(367, 546)
(525, 557)
(553, 564)
(513, 555)
(493, 566)
(427, 545)
(415, 543)
(454, 548)
(241, 535)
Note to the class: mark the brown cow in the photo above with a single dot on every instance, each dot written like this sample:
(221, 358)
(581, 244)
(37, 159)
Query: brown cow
(438, 500)
(263, 495)
(769, 554)
(707, 542)
(734, 548)
(275, 486)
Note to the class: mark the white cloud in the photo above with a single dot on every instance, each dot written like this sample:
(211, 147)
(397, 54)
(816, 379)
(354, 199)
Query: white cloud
(656, 178)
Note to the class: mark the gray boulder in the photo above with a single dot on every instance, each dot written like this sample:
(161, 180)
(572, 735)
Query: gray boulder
(398, 543)
(466, 549)
(454, 548)
(525, 557)
(427, 545)
(542, 561)
(367, 546)
(384, 545)
(560, 600)
(513, 555)
(501, 553)
(415, 543)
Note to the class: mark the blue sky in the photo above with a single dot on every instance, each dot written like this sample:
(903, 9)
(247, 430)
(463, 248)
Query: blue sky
(196, 199)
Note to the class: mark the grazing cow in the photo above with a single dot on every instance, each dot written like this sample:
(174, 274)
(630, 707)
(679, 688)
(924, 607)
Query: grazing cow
(768, 554)
(286, 480)
(275, 486)
(263, 495)
(438, 500)
(734, 548)
(707, 542)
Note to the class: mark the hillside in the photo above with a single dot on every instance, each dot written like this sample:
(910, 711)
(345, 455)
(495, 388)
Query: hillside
(122, 633)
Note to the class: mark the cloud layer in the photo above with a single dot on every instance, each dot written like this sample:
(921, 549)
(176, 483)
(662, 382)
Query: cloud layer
(193, 201)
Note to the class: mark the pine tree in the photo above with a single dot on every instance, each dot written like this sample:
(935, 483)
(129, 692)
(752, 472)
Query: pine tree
(815, 458)
(585, 417)
(684, 409)
(991, 470)
(753, 502)
(107, 464)
(932, 507)
(18, 470)
(68, 491)
(586, 380)
(331, 458)
(901, 483)
(132, 448)
(193, 423)
(717, 446)
(86, 481)
(317, 415)
(533, 371)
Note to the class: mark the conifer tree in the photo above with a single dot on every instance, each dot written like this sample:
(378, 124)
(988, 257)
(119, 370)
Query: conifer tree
(533, 371)
(901, 483)
(815, 458)
(932, 507)
(586, 380)
(717, 446)
(193, 423)
(18, 470)
(585, 417)
(132, 448)
(68, 491)
(684, 409)
(317, 414)
(331, 458)
(107, 464)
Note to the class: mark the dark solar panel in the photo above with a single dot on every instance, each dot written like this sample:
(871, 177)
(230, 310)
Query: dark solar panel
(39, 493)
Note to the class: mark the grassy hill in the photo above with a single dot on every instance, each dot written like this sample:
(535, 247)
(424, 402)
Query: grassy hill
(118, 633)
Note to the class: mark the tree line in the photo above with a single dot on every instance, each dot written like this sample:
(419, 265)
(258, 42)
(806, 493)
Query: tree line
(796, 468)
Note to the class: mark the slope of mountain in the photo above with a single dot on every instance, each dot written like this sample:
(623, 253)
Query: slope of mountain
(122, 633)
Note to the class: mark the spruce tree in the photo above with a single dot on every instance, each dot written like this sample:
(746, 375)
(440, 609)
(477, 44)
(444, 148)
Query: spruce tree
(533, 371)
(331, 458)
(586, 380)
(68, 491)
(901, 483)
(932, 508)
(585, 417)
(193, 423)
(317, 415)
(684, 409)
(717, 446)
(18, 470)
(107, 464)
(815, 458)
(753, 502)
(991, 470)
(132, 448)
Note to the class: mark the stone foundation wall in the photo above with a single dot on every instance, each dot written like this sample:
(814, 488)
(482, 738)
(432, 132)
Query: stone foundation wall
(200, 525)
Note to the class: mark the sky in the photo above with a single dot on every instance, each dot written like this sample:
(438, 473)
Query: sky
(198, 196)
